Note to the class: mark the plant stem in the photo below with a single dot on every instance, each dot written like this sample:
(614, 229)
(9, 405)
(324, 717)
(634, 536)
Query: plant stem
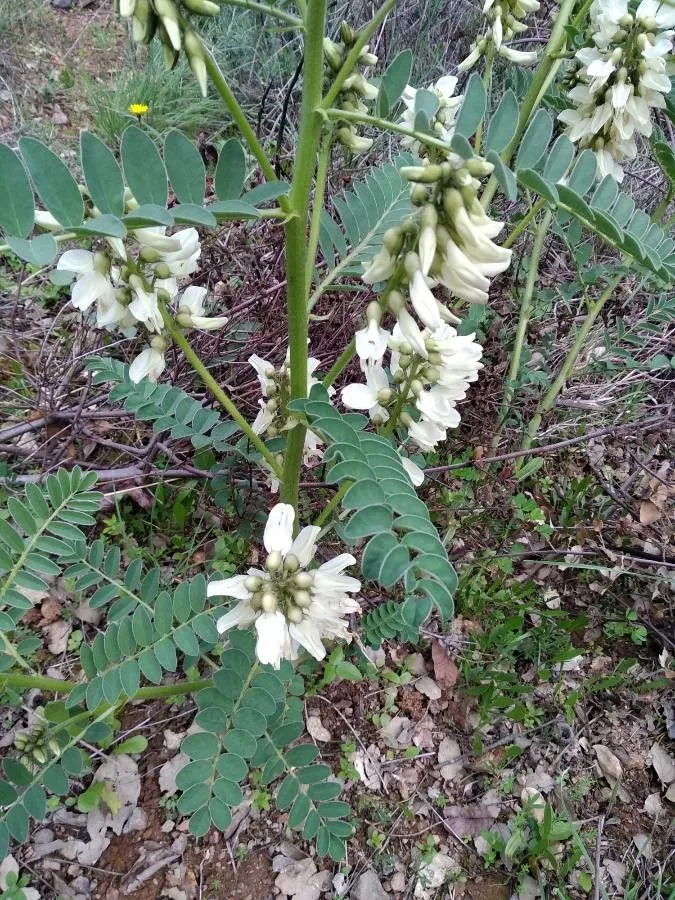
(326, 512)
(401, 401)
(317, 206)
(549, 399)
(266, 10)
(352, 57)
(546, 70)
(487, 74)
(309, 133)
(523, 321)
(220, 395)
(524, 222)
(385, 125)
(239, 118)
(55, 686)
(340, 363)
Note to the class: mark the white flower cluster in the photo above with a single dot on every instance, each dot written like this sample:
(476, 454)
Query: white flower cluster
(356, 89)
(290, 604)
(504, 23)
(273, 418)
(622, 77)
(127, 285)
(444, 122)
(449, 245)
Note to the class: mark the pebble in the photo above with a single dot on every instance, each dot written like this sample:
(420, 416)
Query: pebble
(43, 836)
(428, 687)
(168, 826)
(368, 887)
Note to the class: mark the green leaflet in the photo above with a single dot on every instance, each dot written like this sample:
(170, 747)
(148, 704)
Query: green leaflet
(17, 209)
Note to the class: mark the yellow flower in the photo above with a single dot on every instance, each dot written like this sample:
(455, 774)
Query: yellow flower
(138, 109)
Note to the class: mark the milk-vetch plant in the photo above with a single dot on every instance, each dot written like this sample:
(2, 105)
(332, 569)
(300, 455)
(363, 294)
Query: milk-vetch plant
(417, 234)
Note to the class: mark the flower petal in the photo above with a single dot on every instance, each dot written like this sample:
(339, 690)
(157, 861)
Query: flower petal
(279, 529)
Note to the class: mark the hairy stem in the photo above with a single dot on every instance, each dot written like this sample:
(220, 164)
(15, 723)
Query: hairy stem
(523, 321)
(309, 133)
(227, 404)
(549, 399)
(266, 10)
(334, 502)
(385, 125)
(55, 686)
(487, 74)
(317, 206)
(524, 222)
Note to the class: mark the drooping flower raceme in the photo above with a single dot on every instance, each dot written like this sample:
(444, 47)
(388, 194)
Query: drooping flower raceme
(505, 21)
(621, 76)
(127, 283)
(356, 91)
(444, 121)
(290, 604)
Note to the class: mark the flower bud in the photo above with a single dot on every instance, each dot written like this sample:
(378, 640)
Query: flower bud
(419, 195)
(162, 270)
(101, 263)
(479, 167)
(347, 33)
(168, 15)
(416, 387)
(294, 615)
(392, 240)
(202, 7)
(127, 8)
(421, 174)
(354, 142)
(435, 358)
(404, 360)
(159, 343)
(411, 264)
(384, 396)
(144, 22)
(302, 598)
(626, 20)
(291, 563)
(432, 373)
(274, 561)
(366, 58)
(40, 755)
(373, 312)
(54, 746)
(429, 217)
(304, 580)
(150, 255)
(396, 302)
(252, 583)
(195, 54)
(452, 202)
(333, 54)
(268, 601)
(163, 295)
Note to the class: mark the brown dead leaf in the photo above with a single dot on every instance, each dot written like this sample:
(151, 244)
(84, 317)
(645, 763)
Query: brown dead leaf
(649, 512)
(445, 668)
(468, 821)
(609, 764)
(51, 610)
(663, 763)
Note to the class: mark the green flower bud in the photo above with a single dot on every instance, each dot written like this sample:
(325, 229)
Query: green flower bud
(404, 360)
(101, 263)
(303, 580)
(40, 756)
(168, 14)
(202, 7)
(384, 396)
(302, 598)
(432, 373)
(195, 54)
(54, 747)
(435, 358)
(252, 583)
(421, 174)
(392, 240)
(294, 615)
(333, 54)
(274, 561)
(163, 295)
(347, 33)
(373, 312)
(150, 255)
(429, 217)
(452, 202)
(419, 194)
(144, 22)
(291, 563)
(162, 270)
(416, 387)
(159, 343)
(411, 264)
(396, 302)
(479, 167)
(268, 601)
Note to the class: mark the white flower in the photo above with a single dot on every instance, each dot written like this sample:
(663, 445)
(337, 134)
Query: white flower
(663, 13)
(436, 406)
(380, 268)
(291, 605)
(145, 306)
(191, 310)
(519, 57)
(423, 301)
(367, 396)
(371, 343)
(149, 364)
(426, 434)
(415, 474)
(444, 125)
(407, 331)
(183, 261)
(156, 238)
(91, 284)
(461, 277)
(265, 371)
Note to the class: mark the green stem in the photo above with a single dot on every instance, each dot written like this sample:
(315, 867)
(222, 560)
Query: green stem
(340, 364)
(523, 321)
(660, 209)
(239, 118)
(179, 338)
(546, 70)
(309, 133)
(352, 57)
(317, 206)
(487, 74)
(328, 509)
(549, 399)
(55, 686)
(524, 222)
(266, 10)
(401, 400)
(385, 125)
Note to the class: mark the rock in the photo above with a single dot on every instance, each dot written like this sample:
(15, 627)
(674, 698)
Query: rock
(173, 739)
(138, 820)
(62, 4)
(643, 843)
(433, 874)
(449, 759)
(663, 763)
(57, 636)
(43, 836)
(398, 882)
(168, 826)
(653, 806)
(609, 764)
(428, 687)
(368, 887)
(316, 729)
(415, 664)
(301, 881)
(396, 731)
